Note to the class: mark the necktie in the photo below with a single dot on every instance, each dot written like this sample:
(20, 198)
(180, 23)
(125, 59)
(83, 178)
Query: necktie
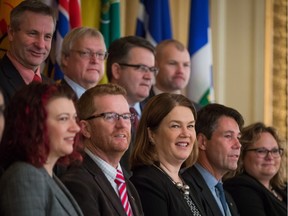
(136, 119)
(221, 195)
(120, 181)
(36, 78)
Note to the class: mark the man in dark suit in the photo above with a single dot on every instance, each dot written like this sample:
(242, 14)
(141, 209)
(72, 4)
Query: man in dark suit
(83, 55)
(131, 64)
(32, 24)
(173, 61)
(218, 132)
(105, 122)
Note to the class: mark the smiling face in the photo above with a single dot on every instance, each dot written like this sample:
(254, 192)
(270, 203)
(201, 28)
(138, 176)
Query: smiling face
(174, 139)
(136, 83)
(221, 153)
(265, 168)
(31, 43)
(174, 69)
(108, 139)
(87, 72)
(61, 127)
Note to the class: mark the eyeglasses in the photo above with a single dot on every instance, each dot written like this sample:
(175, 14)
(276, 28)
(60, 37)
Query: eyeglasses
(263, 152)
(89, 54)
(141, 68)
(112, 117)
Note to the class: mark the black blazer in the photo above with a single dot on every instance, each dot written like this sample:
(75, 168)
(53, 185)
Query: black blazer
(252, 198)
(195, 180)
(159, 196)
(94, 193)
(11, 80)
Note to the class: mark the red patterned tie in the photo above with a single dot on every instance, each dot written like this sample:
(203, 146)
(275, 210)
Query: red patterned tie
(120, 181)
(136, 119)
(36, 78)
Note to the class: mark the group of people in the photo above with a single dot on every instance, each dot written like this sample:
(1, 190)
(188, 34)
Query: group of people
(135, 146)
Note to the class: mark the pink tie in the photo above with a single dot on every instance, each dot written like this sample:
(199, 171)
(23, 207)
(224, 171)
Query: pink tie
(36, 78)
(120, 181)
(136, 119)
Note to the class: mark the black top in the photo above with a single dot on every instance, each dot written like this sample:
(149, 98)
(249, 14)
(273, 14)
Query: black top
(252, 198)
(159, 195)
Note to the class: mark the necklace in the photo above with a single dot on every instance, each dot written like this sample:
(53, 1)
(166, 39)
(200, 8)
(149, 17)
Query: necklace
(181, 187)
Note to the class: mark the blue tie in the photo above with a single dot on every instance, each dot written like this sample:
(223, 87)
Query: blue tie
(221, 195)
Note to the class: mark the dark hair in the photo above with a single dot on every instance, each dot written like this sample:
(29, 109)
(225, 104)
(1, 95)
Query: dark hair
(85, 104)
(157, 108)
(209, 115)
(250, 135)
(25, 135)
(119, 51)
(35, 6)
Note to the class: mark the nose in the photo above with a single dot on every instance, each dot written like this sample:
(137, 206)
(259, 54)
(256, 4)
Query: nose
(74, 126)
(40, 42)
(237, 143)
(185, 132)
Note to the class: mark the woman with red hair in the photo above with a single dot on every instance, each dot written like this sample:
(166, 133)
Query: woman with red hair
(40, 131)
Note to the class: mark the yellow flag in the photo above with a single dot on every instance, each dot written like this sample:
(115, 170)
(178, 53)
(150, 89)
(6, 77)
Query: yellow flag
(5, 8)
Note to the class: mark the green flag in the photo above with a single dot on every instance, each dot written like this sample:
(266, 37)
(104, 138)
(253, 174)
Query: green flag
(110, 23)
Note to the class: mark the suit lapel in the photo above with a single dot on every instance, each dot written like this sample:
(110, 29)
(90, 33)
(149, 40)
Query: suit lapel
(205, 191)
(62, 195)
(13, 77)
(104, 184)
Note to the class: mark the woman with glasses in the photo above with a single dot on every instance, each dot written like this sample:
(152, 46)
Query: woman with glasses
(259, 187)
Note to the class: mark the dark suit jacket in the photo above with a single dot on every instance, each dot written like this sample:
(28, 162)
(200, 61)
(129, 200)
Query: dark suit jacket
(152, 93)
(159, 196)
(94, 193)
(252, 198)
(11, 80)
(195, 180)
(26, 190)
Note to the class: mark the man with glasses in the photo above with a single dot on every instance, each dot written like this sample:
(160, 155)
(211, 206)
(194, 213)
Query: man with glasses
(218, 130)
(82, 59)
(100, 185)
(131, 64)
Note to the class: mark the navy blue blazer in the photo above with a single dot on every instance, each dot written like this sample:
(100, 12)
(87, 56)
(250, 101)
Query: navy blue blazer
(195, 180)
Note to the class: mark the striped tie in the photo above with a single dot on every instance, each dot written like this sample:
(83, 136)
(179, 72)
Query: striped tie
(120, 181)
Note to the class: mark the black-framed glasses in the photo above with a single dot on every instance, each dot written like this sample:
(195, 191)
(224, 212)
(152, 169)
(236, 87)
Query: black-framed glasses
(141, 67)
(263, 152)
(87, 54)
(112, 116)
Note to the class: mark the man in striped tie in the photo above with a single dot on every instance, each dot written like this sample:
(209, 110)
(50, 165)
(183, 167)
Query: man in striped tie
(100, 185)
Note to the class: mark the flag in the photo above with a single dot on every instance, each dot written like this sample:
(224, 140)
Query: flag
(90, 13)
(5, 8)
(110, 23)
(200, 86)
(69, 17)
(153, 20)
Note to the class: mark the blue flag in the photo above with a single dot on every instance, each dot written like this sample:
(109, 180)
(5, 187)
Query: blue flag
(153, 21)
(200, 86)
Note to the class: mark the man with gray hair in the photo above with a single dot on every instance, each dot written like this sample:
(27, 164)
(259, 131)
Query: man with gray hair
(30, 33)
(82, 59)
